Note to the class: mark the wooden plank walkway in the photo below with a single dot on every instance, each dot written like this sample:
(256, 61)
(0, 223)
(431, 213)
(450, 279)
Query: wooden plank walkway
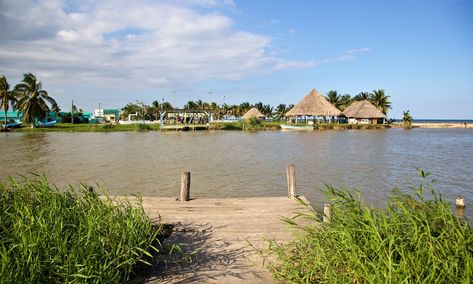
(220, 232)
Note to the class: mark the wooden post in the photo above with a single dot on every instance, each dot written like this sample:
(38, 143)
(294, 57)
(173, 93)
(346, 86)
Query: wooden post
(327, 213)
(291, 180)
(460, 202)
(185, 186)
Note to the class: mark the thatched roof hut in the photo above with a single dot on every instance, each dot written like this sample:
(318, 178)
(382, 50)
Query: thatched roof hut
(253, 112)
(364, 112)
(314, 104)
(363, 109)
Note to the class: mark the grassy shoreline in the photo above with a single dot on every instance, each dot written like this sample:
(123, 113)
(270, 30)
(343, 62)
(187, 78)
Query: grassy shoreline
(139, 127)
(55, 236)
(416, 239)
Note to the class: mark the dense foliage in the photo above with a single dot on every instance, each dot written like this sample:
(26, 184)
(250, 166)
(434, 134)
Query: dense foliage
(49, 236)
(415, 240)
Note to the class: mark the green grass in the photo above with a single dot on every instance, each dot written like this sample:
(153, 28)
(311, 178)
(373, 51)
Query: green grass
(252, 125)
(416, 239)
(67, 127)
(52, 236)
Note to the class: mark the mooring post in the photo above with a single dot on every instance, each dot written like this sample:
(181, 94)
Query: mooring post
(460, 202)
(185, 186)
(327, 213)
(291, 180)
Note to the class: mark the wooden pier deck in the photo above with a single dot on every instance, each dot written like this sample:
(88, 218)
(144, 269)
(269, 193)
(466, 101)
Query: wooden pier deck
(185, 127)
(224, 233)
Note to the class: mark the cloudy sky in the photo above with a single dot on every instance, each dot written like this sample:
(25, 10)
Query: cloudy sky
(115, 52)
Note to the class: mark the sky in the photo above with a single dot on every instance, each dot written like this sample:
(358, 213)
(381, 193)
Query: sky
(229, 51)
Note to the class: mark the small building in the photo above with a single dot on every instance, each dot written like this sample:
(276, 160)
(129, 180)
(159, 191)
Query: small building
(253, 112)
(313, 108)
(109, 114)
(364, 112)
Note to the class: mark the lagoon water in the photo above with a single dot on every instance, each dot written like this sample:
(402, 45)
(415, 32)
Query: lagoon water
(242, 164)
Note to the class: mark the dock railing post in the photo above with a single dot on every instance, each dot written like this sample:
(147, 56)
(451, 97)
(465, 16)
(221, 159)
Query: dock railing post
(291, 180)
(185, 186)
(459, 207)
(327, 213)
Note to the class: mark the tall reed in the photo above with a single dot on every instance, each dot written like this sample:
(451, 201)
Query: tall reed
(52, 236)
(416, 239)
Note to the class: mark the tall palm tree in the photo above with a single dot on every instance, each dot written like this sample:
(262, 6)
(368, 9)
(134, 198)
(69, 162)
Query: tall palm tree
(280, 111)
(33, 100)
(7, 97)
(259, 106)
(345, 101)
(362, 96)
(267, 110)
(55, 107)
(334, 98)
(379, 99)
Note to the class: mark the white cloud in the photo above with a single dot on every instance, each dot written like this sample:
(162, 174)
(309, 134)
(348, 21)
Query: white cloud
(157, 43)
(129, 45)
(357, 50)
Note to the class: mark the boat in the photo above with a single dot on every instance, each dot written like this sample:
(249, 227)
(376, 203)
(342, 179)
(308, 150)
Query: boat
(46, 124)
(296, 127)
(12, 124)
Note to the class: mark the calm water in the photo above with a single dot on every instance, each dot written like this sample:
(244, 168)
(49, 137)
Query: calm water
(238, 164)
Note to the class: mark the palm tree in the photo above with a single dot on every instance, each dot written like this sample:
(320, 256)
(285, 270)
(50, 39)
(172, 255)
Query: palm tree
(33, 100)
(407, 119)
(334, 98)
(362, 96)
(267, 110)
(380, 100)
(280, 111)
(345, 101)
(259, 106)
(55, 107)
(7, 97)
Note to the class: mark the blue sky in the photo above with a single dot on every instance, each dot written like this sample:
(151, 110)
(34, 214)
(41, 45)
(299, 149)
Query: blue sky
(115, 52)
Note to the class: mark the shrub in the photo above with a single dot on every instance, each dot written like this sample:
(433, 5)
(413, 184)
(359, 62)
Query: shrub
(52, 236)
(415, 239)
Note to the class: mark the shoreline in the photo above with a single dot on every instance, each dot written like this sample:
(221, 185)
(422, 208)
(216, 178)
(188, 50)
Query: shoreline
(232, 126)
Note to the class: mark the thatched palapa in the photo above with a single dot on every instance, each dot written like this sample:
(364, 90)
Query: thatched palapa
(314, 104)
(363, 112)
(253, 112)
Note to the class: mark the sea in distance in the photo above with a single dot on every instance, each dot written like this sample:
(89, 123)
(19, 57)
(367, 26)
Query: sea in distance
(248, 164)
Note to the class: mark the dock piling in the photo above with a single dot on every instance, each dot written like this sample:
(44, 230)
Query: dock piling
(185, 186)
(460, 202)
(327, 213)
(291, 180)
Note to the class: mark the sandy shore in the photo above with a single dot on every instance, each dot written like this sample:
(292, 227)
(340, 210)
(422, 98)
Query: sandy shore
(443, 125)
(435, 125)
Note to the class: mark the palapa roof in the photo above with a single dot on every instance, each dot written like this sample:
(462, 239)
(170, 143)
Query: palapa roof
(253, 112)
(363, 109)
(314, 104)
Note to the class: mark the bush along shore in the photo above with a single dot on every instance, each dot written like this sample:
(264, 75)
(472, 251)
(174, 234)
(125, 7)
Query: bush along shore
(52, 236)
(416, 239)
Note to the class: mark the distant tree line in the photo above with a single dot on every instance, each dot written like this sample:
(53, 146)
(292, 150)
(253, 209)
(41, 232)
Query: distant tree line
(152, 112)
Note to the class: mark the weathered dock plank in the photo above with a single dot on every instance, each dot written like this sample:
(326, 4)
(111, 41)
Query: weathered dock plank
(224, 234)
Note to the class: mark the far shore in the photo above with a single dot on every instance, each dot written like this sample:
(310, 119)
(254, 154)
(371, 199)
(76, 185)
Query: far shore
(437, 125)
(66, 127)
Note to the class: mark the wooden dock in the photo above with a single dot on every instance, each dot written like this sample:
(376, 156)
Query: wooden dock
(185, 127)
(224, 235)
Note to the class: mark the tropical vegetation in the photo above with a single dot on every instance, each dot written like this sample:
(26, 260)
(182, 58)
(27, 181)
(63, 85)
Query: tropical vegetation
(33, 101)
(415, 239)
(378, 98)
(406, 119)
(7, 97)
(71, 236)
